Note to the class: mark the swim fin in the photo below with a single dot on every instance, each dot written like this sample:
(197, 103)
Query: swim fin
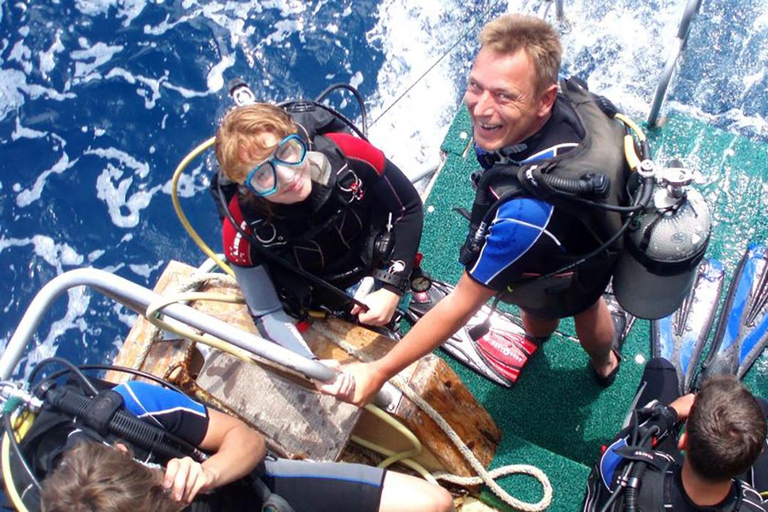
(497, 355)
(742, 331)
(680, 337)
(500, 353)
(622, 320)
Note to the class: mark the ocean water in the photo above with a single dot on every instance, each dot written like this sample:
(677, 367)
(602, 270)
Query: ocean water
(100, 100)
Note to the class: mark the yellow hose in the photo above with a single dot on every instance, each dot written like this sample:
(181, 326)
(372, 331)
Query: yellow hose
(10, 487)
(629, 144)
(206, 339)
(177, 205)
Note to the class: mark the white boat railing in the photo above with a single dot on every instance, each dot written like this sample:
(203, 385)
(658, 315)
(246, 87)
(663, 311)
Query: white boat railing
(138, 298)
(691, 10)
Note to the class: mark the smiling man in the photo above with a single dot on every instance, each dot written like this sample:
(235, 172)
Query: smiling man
(551, 259)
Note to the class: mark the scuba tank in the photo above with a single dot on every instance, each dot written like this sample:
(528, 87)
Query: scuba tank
(663, 245)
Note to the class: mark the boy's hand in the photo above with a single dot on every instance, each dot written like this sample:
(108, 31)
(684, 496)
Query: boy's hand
(186, 478)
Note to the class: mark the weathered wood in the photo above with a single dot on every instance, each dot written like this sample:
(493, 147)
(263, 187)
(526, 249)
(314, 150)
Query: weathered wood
(162, 354)
(434, 381)
(430, 377)
(303, 422)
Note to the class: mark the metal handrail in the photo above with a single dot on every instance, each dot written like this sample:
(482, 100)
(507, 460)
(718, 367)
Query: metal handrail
(691, 10)
(138, 298)
(542, 10)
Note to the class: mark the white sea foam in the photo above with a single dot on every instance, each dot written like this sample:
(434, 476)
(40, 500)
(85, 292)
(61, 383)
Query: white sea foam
(22, 132)
(413, 37)
(113, 187)
(57, 255)
(145, 270)
(21, 53)
(150, 100)
(189, 183)
(92, 57)
(215, 78)
(127, 9)
(115, 195)
(26, 197)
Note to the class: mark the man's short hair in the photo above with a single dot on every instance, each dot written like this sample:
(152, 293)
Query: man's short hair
(509, 33)
(92, 476)
(237, 141)
(726, 430)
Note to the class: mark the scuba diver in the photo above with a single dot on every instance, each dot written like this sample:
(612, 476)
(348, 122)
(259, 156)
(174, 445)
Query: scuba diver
(140, 446)
(725, 467)
(550, 216)
(310, 198)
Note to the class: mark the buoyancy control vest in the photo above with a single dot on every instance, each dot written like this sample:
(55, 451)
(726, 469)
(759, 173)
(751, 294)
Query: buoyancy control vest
(655, 484)
(595, 170)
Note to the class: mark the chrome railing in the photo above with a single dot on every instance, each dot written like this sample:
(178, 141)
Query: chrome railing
(691, 10)
(139, 298)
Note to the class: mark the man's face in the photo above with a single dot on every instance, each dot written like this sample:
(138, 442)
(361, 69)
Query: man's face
(502, 100)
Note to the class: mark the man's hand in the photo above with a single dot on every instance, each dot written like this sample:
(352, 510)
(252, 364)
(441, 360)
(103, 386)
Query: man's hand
(356, 383)
(381, 306)
(185, 478)
(682, 406)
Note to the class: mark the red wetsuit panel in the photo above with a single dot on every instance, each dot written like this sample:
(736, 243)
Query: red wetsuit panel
(236, 247)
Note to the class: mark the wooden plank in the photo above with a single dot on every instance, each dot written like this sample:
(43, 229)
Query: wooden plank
(162, 354)
(434, 381)
(430, 377)
(303, 422)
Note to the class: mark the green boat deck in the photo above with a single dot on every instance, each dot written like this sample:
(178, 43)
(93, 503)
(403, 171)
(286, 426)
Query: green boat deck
(555, 416)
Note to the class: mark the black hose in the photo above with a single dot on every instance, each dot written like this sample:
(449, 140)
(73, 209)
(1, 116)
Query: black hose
(90, 388)
(631, 492)
(355, 93)
(111, 367)
(338, 115)
(127, 426)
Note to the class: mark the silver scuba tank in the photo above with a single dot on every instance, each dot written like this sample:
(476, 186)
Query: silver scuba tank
(664, 246)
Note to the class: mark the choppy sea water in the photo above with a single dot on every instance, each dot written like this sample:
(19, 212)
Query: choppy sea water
(100, 99)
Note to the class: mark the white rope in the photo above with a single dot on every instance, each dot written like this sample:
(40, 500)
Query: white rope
(484, 476)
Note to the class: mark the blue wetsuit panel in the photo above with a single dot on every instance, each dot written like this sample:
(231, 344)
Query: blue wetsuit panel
(165, 408)
(513, 233)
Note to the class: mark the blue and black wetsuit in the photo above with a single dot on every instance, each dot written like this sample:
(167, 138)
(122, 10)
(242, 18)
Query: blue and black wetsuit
(306, 485)
(530, 237)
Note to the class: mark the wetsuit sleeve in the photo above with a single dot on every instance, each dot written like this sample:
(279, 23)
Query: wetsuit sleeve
(165, 408)
(271, 320)
(517, 236)
(394, 194)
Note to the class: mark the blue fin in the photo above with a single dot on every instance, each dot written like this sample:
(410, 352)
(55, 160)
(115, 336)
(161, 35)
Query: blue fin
(742, 332)
(680, 337)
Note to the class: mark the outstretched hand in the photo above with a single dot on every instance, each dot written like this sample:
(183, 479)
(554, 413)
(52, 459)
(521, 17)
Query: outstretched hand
(356, 383)
(381, 307)
(185, 479)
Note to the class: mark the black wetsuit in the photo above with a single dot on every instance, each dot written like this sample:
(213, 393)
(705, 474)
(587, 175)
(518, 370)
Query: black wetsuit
(320, 236)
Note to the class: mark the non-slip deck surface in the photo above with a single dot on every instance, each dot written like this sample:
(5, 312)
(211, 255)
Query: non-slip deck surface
(555, 416)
